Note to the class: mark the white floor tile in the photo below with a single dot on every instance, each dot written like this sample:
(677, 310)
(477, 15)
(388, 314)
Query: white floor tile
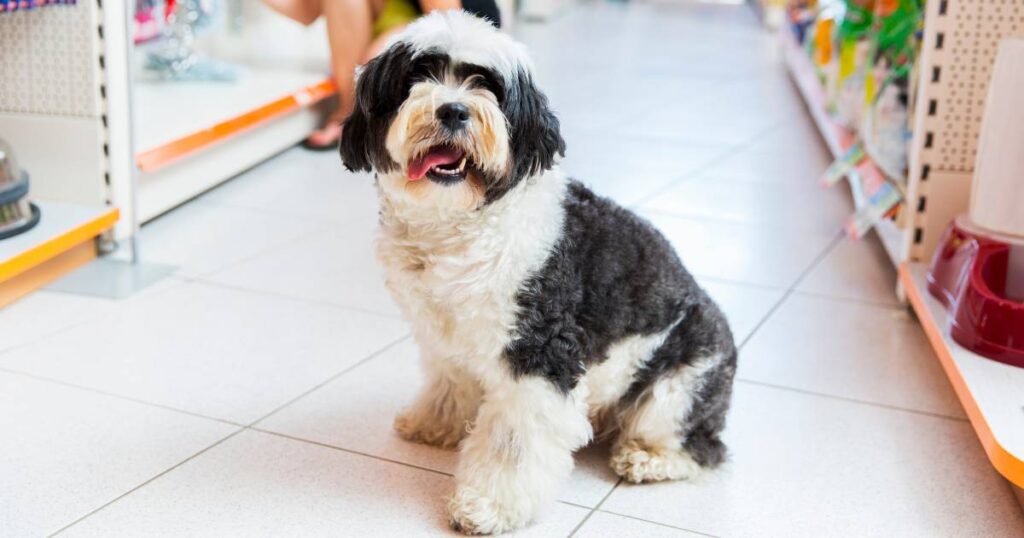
(257, 484)
(856, 270)
(871, 353)
(709, 119)
(628, 169)
(302, 184)
(44, 313)
(742, 253)
(744, 306)
(810, 466)
(213, 351)
(200, 238)
(65, 451)
(356, 411)
(775, 166)
(337, 266)
(603, 524)
(789, 206)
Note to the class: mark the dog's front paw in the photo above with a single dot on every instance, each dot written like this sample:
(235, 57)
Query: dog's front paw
(472, 513)
(411, 426)
(639, 464)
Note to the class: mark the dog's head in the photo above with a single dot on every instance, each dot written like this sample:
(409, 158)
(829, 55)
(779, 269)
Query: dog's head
(449, 116)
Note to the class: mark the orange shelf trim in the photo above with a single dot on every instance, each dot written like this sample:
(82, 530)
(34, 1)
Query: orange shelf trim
(158, 157)
(1005, 463)
(56, 246)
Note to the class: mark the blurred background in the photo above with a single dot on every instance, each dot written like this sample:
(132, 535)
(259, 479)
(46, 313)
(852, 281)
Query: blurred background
(193, 330)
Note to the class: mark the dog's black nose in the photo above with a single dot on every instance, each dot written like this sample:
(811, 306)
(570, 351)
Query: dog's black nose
(453, 115)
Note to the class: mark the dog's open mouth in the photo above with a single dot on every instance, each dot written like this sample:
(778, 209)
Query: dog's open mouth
(442, 164)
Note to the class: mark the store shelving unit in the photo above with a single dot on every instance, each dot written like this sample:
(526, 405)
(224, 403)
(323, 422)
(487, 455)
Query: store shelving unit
(63, 240)
(226, 128)
(992, 393)
(957, 52)
(56, 124)
(837, 138)
(99, 168)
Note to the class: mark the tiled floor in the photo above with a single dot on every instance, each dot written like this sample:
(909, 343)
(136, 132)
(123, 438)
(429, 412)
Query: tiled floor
(252, 394)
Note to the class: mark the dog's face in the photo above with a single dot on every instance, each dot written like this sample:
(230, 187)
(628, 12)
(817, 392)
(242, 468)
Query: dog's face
(448, 116)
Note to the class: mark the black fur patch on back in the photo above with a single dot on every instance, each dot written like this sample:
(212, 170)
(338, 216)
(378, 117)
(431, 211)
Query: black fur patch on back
(611, 275)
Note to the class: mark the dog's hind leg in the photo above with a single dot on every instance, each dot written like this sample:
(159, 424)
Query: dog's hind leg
(670, 429)
(443, 410)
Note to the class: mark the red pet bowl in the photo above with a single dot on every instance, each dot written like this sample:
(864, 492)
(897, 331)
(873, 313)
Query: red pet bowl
(968, 274)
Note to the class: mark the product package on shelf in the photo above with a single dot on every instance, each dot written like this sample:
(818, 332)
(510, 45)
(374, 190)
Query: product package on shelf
(863, 52)
(7, 6)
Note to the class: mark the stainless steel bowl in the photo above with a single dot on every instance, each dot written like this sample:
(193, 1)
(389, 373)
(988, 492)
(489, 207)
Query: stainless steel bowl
(17, 214)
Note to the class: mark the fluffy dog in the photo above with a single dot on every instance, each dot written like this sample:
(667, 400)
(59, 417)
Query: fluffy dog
(543, 313)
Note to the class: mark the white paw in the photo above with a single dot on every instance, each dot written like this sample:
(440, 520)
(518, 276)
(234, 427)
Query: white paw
(637, 464)
(412, 427)
(472, 513)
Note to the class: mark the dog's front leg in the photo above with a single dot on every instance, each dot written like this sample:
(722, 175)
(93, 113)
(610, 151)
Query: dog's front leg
(518, 453)
(444, 409)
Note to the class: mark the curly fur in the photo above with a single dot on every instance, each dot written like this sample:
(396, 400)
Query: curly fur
(542, 311)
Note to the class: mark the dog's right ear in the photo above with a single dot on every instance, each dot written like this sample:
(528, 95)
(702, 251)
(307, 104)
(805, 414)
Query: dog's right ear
(354, 143)
(381, 88)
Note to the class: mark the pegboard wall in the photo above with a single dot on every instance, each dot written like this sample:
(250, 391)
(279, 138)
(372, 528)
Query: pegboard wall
(53, 106)
(49, 64)
(958, 50)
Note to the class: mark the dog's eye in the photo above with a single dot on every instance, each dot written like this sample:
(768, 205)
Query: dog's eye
(481, 77)
(428, 66)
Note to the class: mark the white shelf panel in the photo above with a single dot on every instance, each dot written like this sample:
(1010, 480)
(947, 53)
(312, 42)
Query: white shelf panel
(991, 392)
(58, 219)
(168, 111)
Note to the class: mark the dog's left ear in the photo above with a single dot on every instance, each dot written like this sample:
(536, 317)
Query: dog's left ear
(536, 138)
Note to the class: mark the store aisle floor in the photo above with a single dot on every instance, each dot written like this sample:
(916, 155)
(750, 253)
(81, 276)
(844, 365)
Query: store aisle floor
(253, 393)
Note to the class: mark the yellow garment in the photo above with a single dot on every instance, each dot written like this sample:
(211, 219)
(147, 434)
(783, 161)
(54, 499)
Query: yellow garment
(395, 13)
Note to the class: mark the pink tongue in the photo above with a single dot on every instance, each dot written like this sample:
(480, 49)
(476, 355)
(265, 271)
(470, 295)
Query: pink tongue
(418, 167)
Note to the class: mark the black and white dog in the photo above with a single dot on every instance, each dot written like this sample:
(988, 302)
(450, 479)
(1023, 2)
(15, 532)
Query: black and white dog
(544, 313)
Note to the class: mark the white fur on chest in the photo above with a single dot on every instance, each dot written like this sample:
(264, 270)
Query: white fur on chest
(456, 276)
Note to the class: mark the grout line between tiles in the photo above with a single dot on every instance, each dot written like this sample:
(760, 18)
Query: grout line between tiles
(730, 152)
(658, 523)
(276, 212)
(200, 415)
(278, 295)
(348, 450)
(333, 377)
(851, 300)
(771, 225)
(91, 318)
(732, 282)
(323, 229)
(151, 479)
(583, 506)
(852, 400)
(378, 458)
(118, 396)
(594, 509)
(789, 290)
(788, 293)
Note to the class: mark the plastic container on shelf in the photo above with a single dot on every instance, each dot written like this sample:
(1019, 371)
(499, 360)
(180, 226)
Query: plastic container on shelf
(17, 214)
(978, 269)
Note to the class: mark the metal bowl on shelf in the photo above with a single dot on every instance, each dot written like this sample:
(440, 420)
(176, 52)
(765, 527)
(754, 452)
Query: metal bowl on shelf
(17, 214)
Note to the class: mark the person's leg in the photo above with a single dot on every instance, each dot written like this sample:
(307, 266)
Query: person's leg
(349, 33)
(300, 11)
(377, 45)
